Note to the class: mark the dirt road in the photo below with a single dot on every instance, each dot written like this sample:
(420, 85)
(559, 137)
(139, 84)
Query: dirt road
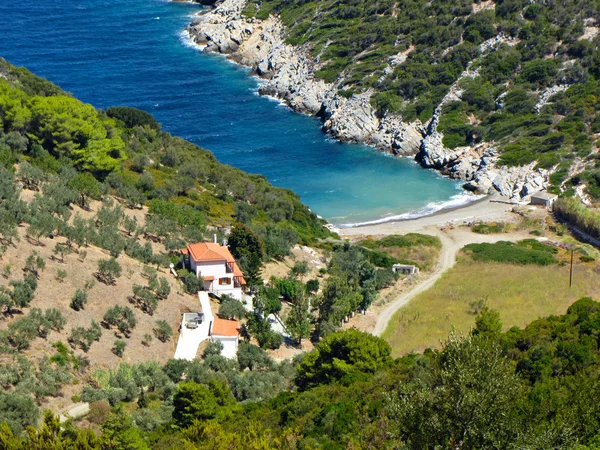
(452, 241)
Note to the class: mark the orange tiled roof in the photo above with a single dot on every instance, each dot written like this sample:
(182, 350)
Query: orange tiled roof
(209, 251)
(208, 278)
(222, 327)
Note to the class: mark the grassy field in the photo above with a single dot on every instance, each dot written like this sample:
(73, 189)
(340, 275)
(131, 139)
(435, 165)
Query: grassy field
(520, 293)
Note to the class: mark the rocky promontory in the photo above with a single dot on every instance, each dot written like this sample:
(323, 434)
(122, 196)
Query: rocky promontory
(288, 74)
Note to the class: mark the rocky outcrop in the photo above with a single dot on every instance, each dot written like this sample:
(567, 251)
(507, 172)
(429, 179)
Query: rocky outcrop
(288, 74)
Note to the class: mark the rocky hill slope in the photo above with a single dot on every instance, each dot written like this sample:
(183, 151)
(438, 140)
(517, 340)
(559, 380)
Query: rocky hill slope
(384, 91)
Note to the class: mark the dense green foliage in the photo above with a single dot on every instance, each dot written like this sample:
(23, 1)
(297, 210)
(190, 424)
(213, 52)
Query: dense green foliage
(534, 388)
(528, 251)
(574, 212)
(544, 45)
(343, 357)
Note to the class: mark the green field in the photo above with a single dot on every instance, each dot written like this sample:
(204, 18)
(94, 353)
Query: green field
(521, 293)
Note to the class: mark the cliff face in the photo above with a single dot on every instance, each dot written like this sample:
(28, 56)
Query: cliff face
(288, 75)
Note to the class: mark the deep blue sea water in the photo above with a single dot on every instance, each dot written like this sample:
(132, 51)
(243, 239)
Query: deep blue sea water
(133, 52)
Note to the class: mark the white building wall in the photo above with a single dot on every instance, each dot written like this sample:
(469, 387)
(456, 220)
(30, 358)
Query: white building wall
(230, 345)
(217, 269)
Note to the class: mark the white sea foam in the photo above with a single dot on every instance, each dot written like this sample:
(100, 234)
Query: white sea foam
(187, 41)
(431, 208)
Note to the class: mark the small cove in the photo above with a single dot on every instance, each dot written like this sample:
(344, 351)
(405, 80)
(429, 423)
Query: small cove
(134, 53)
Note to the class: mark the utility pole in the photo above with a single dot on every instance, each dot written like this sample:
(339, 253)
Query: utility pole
(571, 270)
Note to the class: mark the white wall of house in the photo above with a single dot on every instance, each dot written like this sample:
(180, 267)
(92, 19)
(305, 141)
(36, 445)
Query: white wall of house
(217, 269)
(230, 345)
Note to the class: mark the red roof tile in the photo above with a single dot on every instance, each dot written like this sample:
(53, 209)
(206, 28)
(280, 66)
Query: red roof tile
(222, 327)
(209, 251)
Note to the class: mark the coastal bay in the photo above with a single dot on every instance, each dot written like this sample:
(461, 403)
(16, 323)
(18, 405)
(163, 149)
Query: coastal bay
(111, 53)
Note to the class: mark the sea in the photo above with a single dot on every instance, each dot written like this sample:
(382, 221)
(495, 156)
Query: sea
(136, 53)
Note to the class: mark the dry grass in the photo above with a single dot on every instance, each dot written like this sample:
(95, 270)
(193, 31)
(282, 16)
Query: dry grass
(52, 293)
(520, 293)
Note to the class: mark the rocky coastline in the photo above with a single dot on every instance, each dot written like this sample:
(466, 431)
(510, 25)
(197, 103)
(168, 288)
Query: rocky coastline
(288, 71)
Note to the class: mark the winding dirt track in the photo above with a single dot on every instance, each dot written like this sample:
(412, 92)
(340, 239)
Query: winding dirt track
(447, 259)
(452, 242)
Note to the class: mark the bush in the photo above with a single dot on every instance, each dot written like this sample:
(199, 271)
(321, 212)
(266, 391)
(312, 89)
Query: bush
(576, 213)
(84, 337)
(525, 252)
(122, 317)
(251, 357)
(108, 271)
(119, 347)
(163, 330)
(231, 308)
(133, 117)
(212, 348)
(79, 299)
(191, 282)
(99, 412)
(488, 228)
(343, 355)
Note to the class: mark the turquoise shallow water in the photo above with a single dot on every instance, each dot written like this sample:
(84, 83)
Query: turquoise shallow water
(132, 52)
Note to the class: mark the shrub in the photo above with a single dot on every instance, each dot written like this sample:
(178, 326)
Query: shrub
(108, 271)
(61, 275)
(231, 308)
(576, 213)
(122, 317)
(119, 347)
(488, 228)
(192, 283)
(163, 330)
(147, 339)
(79, 299)
(508, 252)
(84, 338)
(212, 348)
(343, 355)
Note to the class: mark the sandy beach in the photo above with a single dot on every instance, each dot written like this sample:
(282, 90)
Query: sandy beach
(488, 209)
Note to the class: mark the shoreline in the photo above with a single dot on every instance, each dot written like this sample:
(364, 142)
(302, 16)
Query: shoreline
(488, 209)
(464, 200)
(287, 73)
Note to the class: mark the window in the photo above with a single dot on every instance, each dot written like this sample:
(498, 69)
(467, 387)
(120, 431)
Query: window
(224, 281)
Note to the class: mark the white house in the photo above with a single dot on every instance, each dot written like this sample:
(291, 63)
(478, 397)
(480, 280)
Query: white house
(215, 264)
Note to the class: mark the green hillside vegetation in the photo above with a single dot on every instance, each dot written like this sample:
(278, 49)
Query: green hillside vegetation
(123, 152)
(574, 212)
(528, 251)
(354, 41)
(541, 383)
(94, 207)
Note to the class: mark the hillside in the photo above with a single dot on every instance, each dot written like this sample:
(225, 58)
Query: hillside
(476, 90)
(95, 207)
(534, 388)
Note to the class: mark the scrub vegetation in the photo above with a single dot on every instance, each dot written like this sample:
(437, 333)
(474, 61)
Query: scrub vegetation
(540, 45)
(349, 392)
